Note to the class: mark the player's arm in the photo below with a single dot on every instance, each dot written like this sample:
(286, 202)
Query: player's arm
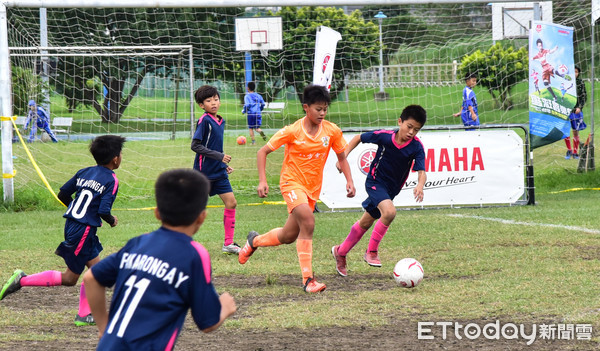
(351, 146)
(418, 190)
(261, 164)
(200, 149)
(458, 113)
(96, 296)
(64, 197)
(228, 308)
(345, 169)
(473, 115)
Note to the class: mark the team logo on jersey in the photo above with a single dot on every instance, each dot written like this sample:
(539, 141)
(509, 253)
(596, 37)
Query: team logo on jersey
(325, 62)
(365, 160)
(325, 141)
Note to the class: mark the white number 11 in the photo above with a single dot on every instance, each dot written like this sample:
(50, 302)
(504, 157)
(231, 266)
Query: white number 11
(141, 287)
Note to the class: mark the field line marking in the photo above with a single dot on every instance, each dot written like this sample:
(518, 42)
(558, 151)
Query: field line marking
(531, 224)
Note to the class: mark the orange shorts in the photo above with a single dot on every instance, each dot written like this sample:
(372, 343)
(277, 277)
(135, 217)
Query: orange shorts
(295, 197)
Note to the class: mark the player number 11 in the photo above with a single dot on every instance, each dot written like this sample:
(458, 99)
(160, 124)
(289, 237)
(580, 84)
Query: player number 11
(141, 287)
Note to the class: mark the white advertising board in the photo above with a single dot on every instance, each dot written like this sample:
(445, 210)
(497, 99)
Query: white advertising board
(463, 168)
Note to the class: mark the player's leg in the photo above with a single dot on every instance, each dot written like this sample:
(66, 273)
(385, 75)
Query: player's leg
(50, 133)
(357, 231)
(575, 144)
(33, 131)
(229, 246)
(388, 213)
(84, 314)
(252, 125)
(252, 135)
(258, 124)
(305, 219)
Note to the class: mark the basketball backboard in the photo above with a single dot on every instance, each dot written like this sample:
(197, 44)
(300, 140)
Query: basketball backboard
(513, 19)
(258, 33)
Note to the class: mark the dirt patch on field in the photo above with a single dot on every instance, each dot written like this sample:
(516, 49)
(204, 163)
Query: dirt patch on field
(54, 331)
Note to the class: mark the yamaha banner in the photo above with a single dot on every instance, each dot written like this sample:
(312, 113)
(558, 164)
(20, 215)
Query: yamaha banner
(325, 47)
(552, 90)
(463, 168)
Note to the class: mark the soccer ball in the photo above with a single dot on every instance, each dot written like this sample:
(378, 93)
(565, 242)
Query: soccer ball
(563, 69)
(45, 137)
(408, 272)
(241, 140)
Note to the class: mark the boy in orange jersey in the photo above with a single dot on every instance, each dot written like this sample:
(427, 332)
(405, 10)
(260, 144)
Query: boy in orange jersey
(307, 143)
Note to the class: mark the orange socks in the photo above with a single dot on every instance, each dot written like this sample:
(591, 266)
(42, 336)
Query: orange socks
(268, 239)
(304, 248)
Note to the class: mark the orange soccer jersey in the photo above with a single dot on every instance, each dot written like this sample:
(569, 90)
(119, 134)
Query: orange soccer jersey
(305, 155)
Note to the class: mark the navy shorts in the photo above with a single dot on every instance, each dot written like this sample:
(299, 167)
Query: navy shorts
(377, 193)
(220, 186)
(254, 121)
(80, 246)
(577, 122)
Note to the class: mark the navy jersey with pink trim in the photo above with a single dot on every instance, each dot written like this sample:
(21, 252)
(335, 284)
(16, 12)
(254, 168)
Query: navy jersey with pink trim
(210, 130)
(392, 163)
(95, 191)
(157, 277)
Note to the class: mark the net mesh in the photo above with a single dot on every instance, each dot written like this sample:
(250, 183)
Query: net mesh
(145, 94)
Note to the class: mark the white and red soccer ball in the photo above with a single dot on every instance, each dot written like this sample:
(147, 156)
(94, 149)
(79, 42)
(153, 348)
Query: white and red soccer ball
(563, 69)
(408, 272)
(241, 140)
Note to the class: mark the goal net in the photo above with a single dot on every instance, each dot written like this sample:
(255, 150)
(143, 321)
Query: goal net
(90, 71)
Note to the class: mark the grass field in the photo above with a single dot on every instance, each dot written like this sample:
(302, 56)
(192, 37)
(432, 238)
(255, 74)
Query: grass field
(520, 264)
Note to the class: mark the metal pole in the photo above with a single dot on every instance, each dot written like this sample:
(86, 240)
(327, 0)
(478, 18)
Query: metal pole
(380, 58)
(44, 59)
(191, 63)
(6, 110)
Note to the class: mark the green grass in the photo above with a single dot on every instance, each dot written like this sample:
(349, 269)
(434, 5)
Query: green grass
(533, 267)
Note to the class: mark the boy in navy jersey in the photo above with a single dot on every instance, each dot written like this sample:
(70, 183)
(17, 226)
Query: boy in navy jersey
(159, 276)
(397, 151)
(95, 190)
(253, 106)
(210, 159)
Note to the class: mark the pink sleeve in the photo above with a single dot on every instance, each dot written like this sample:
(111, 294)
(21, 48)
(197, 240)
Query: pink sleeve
(205, 257)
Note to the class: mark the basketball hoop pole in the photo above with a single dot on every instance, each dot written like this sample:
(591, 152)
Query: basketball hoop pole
(248, 67)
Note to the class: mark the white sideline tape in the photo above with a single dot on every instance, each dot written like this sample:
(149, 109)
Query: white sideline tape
(509, 221)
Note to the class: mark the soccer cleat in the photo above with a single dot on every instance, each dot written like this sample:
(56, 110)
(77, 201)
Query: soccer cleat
(575, 156)
(83, 321)
(263, 136)
(232, 248)
(340, 261)
(568, 156)
(13, 284)
(372, 258)
(312, 286)
(248, 249)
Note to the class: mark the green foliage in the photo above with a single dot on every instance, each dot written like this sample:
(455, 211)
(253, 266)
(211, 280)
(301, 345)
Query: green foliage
(360, 42)
(26, 86)
(499, 70)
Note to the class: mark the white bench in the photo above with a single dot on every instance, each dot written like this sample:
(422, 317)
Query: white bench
(20, 121)
(274, 107)
(64, 123)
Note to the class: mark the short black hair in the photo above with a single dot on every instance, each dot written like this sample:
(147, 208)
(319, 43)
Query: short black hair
(470, 75)
(539, 41)
(106, 147)
(415, 112)
(205, 92)
(251, 86)
(315, 93)
(577, 68)
(181, 195)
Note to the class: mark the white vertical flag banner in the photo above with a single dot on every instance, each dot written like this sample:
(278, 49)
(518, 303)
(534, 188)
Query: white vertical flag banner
(595, 10)
(325, 46)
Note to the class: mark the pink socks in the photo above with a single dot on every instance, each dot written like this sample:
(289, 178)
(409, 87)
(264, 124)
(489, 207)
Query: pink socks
(378, 233)
(229, 224)
(356, 233)
(47, 278)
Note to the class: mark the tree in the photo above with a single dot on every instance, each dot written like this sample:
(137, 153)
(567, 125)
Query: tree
(499, 70)
(208, 30)
(294, 65)
(26, 86)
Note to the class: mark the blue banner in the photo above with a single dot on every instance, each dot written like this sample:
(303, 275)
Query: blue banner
(552, 90)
